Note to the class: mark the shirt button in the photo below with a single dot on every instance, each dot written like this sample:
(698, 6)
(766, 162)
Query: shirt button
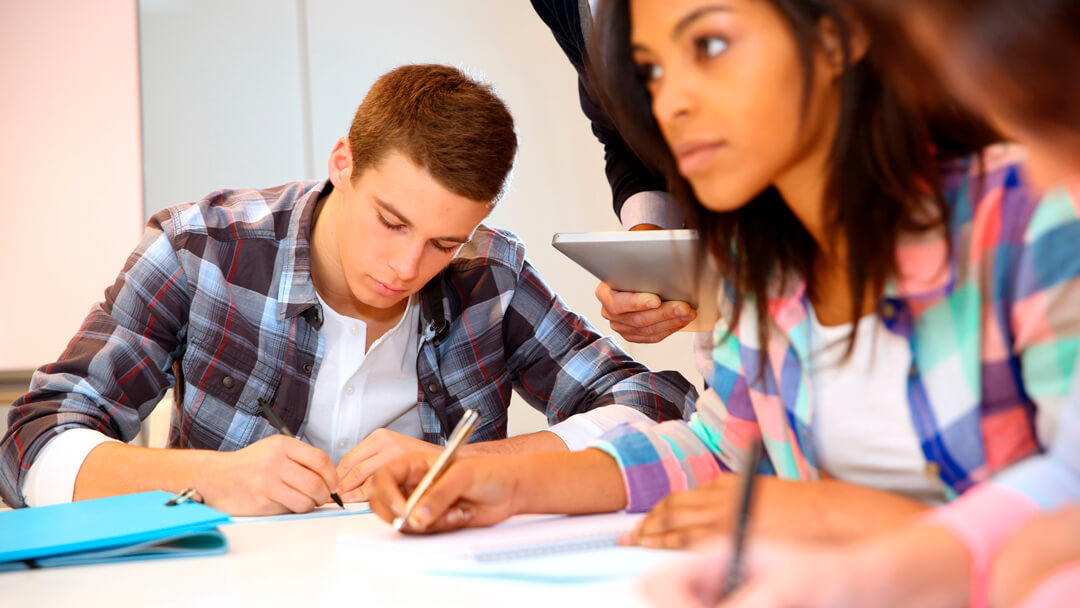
(341, 443)
(228, 382)
(307, 368)
(433, 388)
(888, 311)
(354, 330)
(349, 389)
(933, 469)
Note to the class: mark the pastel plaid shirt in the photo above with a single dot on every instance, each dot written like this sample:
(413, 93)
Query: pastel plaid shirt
(994, 330)
(218, 300)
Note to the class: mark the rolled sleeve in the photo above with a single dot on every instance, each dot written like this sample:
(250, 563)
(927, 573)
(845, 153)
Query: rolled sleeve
(51, 479)
(577, 431)
(652, 207)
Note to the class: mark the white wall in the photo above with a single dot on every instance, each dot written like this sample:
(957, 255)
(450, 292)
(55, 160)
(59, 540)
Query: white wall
(70, 165)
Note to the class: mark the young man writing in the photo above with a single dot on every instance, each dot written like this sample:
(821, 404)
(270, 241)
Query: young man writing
(367, 312)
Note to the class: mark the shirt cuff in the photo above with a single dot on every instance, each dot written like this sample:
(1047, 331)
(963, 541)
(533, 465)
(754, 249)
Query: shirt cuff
(579, 429)
(651, 207)
(51, 478)
(982, 520)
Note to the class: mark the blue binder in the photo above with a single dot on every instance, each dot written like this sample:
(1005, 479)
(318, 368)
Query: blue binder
(118, 528)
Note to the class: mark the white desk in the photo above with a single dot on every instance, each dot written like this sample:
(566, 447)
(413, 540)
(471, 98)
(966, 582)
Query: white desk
(296, 563)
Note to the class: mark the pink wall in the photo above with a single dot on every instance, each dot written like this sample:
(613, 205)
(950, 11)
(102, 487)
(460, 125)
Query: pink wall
(70, 166)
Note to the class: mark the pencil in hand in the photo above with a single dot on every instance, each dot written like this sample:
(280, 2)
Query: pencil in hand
(279, 424)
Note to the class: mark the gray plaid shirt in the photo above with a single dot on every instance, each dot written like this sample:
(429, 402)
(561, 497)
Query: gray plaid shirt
(218, 301)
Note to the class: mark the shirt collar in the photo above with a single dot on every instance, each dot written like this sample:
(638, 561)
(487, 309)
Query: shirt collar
(296, 289)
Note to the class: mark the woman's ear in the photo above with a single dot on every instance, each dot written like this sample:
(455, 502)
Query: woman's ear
(832, 44)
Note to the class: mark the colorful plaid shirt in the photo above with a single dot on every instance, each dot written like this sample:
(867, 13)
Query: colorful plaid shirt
(993, 326)
(218, 301)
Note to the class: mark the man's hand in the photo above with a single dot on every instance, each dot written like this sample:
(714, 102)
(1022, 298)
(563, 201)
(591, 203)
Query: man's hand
(472, 491)
(274, 475)
(642, 317)
(377, 449)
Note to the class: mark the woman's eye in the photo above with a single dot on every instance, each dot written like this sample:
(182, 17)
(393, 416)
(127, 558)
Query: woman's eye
(649, 72)
(711, 46)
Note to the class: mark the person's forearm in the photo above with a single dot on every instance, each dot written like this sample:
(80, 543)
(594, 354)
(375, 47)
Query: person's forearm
(917, 567)
(571, 482)
(540, 441)
(116, 468)
(829, 511)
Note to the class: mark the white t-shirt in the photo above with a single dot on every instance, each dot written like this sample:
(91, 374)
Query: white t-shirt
(863, 432)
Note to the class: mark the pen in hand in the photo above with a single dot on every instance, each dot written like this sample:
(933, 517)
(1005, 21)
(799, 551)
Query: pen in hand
(459, 436)
(738, 540)
(279, 424)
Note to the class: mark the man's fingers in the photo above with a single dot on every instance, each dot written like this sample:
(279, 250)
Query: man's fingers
(291, 499)
(362, 472)
(622, 302)
(313, 459)
(306, 482)
(362, 451)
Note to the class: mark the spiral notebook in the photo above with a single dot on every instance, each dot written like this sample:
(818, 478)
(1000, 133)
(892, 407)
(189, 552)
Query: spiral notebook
(117, 528)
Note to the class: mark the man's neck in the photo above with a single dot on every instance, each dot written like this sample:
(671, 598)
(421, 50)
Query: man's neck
(328, 275)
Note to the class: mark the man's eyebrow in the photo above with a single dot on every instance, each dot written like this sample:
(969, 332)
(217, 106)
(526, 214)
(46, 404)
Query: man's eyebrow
(404, 220)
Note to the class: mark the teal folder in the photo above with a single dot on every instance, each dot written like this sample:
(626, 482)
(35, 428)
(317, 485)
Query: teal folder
(118, 528)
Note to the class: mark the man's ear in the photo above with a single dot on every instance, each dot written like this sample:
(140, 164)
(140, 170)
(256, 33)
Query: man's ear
(832, 44)
(340, 163)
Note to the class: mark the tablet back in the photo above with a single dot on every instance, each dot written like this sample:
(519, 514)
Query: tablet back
(663, 262)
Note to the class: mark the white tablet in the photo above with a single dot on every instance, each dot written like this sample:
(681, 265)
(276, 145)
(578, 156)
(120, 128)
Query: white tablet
(648, 261)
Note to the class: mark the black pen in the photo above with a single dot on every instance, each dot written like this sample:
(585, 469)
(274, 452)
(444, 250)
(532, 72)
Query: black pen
(279, 424)
(738, 540)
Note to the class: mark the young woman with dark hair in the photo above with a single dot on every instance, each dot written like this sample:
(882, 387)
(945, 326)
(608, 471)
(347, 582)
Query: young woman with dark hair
(893, 330)
(1015, 540)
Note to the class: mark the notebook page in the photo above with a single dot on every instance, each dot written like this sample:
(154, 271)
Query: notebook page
(520, 537)
(548, 549)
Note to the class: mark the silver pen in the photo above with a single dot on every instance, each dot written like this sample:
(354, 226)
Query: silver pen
(461, 434)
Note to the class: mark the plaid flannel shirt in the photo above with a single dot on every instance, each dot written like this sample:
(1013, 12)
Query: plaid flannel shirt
(218, 301)
(994, 331)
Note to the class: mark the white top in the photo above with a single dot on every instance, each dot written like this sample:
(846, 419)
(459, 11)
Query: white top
(863, 432)
(355, 393)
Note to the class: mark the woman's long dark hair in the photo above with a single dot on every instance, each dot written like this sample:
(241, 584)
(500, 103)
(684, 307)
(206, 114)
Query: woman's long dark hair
(1027, 51)
(883, 174)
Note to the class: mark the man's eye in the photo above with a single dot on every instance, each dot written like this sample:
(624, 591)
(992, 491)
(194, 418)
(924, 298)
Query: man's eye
(386, 223)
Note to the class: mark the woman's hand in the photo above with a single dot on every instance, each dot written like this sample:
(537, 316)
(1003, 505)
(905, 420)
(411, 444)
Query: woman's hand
(775, 575)
(811, 511)
(684, 519)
